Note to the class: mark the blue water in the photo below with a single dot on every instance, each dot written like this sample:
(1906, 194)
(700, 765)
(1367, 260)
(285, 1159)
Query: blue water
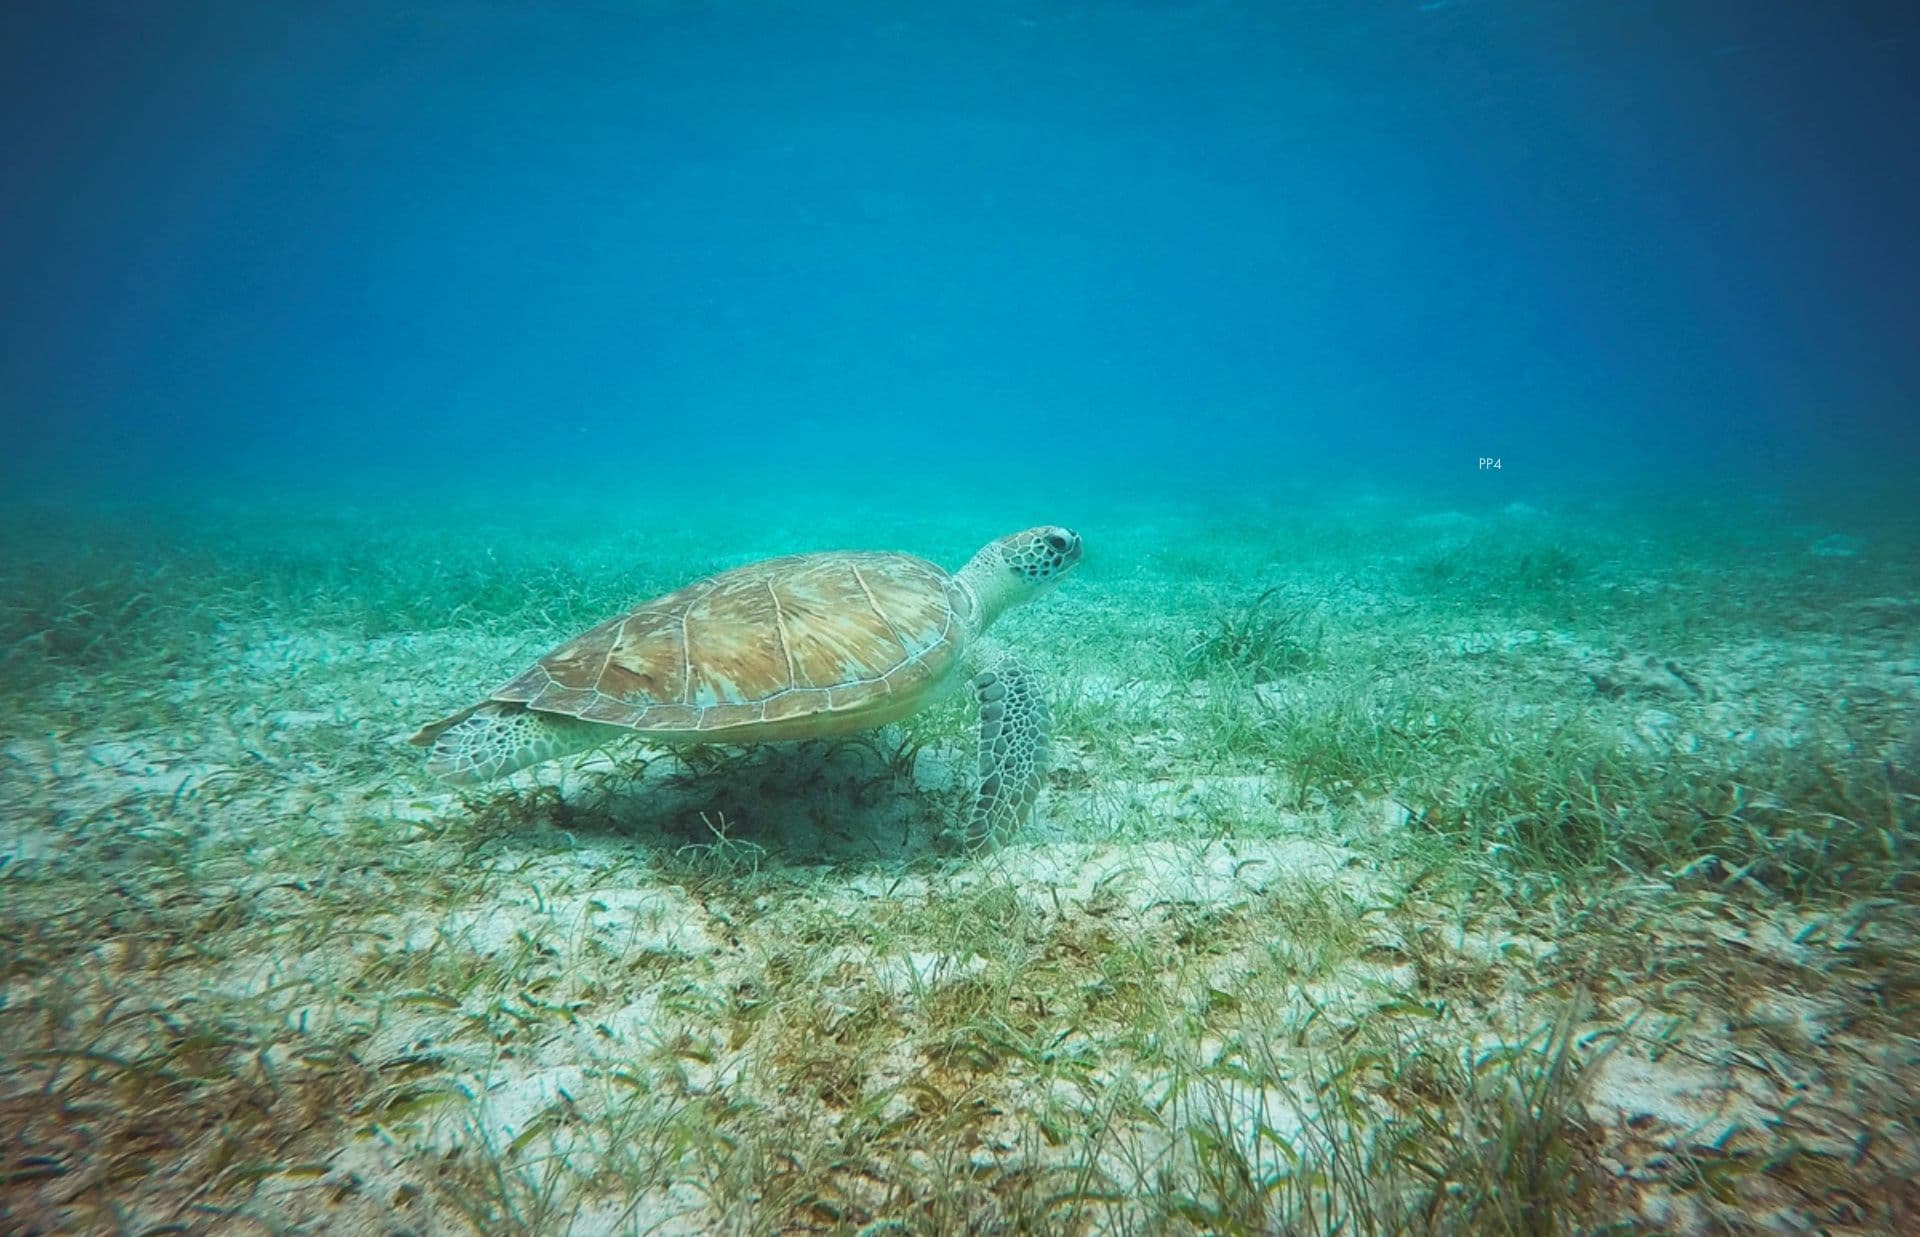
(444, 245)
(1483, 782)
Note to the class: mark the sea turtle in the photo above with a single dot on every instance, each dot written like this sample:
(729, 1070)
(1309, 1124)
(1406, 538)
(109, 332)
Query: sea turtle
(788, 648)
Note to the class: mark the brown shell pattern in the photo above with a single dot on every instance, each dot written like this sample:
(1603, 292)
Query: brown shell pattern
(804, 645)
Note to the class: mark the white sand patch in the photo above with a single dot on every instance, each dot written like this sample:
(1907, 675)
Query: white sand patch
(507, 1102)
(25, 775)
(918, 973)
(1648, 675)
(1373, 819)
(848, 970)
(1811, 1020)
(1483, 643)
(1152, 874)
(1678, 1105)
(302, 719)
(676, 1210)
(658, 919)
(126, 786)
(1658, 732)
(1198, 803)
(1685, 1096)
(123, 768)
(888, 886)
(21, 842)
(636, 1025)
(1261, 1122)
(1129, 692)
(275, 656)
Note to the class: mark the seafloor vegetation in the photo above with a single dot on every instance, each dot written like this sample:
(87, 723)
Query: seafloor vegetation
(1402, 871)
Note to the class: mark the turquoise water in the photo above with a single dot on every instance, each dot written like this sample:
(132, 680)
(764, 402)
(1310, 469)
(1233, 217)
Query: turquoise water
(1484, 730)
(461, 243)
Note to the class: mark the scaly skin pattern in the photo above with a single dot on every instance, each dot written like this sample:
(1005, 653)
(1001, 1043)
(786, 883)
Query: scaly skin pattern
(496, 739)
(1015, 734)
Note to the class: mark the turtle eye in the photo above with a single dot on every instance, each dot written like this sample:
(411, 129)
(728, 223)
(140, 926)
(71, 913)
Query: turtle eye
(1057, 543)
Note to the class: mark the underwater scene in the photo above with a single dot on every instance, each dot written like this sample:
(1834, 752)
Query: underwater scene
(651, 617)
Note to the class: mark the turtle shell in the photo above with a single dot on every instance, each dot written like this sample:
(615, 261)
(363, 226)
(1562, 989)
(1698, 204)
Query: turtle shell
(793, 647)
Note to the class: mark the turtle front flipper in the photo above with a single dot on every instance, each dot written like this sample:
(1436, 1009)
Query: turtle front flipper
(1015, 730)
(496, 739)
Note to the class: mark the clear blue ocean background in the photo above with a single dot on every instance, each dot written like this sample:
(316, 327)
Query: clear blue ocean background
(250, 249)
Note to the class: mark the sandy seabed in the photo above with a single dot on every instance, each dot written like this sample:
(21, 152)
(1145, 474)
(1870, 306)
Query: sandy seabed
(1402, 868)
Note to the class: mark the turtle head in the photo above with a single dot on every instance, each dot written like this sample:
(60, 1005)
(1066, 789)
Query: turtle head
(1038, 557)
(1019, 567)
